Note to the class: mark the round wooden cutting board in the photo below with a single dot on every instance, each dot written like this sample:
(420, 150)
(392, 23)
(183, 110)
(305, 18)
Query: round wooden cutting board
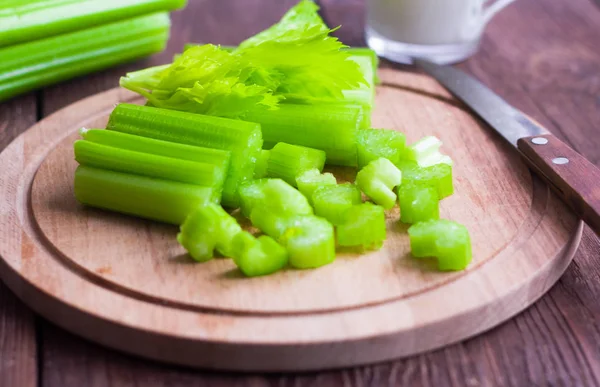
(125, 282)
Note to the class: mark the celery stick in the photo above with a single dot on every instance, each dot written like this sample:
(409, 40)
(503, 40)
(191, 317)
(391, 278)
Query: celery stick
(426, 152)
(312, 179)
(121, 160)
(256, 257)
(448, 241)
(288, 161)
(378, 179)
(162, 200)
(331, 202)
(243, 139)
(22, 21)
(46, 61)
(157, 147)
(309, 241)
(262, 163)
(331, 128)
(438, 176)
(375, 143)
(418, 203)
(208, 228)
(362, 225)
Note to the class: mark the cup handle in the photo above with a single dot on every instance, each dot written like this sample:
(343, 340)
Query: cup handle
(493, 8)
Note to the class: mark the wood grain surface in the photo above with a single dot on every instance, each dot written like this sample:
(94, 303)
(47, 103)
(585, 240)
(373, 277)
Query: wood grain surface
(539, 55)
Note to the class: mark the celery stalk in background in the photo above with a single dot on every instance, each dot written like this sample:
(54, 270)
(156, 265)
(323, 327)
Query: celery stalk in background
(32, 65)
(146, 197)
(330, 128)
(23, 21)
(243, 139)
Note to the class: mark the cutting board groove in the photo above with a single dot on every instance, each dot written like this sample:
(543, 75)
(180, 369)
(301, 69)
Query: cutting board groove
(125, 283)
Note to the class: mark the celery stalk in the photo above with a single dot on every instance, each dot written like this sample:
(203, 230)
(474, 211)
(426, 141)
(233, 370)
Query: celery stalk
(378, 179)
(262, 162)
(288, 161)
(331, 202)
(121, 160)
(243, 139)
(162, 200)
(311, 180)
(448, 241)
(157, 147)
(22, 21)
(46, 61)
(331, 128)
(362, 225)
(309, 241)
(208, 228)
(258, 256)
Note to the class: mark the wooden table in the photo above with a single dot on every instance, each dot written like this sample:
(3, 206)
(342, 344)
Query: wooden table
(543, 56)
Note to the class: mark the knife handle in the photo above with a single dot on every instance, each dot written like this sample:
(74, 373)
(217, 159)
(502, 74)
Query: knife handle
(575, 178)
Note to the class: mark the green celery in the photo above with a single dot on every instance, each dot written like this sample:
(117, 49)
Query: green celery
(258, 256)
(274, 194)
(426, 152)
(157, 147)
(378, 179)
(418, 203)
(39, 63)
(121, 160)
(288, 161)
(448, 241)
(162, 200)
(262, 162)
(312, 179)
(375, 143)
(269, 221)
(309, 241)
(438, 176)
(23, 21)
(330, 128)
(208, 228)
(331, 202)
(362, 225)
(243, 139)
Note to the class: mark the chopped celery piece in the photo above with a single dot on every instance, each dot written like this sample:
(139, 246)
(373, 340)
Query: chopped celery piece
(288, 161)
(312, 179)
(375, 143)
(426, 152)
(243, 139)
(362, 225)
(448, 241)
(331, 202)
(162, 200)
(330, 128)
(207, 228)
(438, 176)
(262, 162)
(378, 179)
(256, 257)
(309, 241)
(23, 21)
(418, 203)
(42, 62)
(269, 221)
(121, 160)
(275, 194)
(157, 147)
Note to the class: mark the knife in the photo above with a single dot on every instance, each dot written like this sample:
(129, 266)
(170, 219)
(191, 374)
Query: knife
(574, 178)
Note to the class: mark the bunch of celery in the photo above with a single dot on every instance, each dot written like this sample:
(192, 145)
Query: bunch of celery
(44, 42)
(200, 140)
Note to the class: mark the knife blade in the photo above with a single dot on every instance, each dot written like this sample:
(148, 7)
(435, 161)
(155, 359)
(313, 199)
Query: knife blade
(574, 178)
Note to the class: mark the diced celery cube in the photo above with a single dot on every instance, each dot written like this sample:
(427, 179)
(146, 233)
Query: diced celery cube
(418, 203)
(376, 143)
(310, 242)
(257, 257)
(378, 179)
(312, 179)
(330, 202)
(362, 225)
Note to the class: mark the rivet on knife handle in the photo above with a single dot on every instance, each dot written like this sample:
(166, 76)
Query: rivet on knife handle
(574, 177)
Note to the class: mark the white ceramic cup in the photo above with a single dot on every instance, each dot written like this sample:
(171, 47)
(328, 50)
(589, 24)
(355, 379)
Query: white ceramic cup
(443, 31)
